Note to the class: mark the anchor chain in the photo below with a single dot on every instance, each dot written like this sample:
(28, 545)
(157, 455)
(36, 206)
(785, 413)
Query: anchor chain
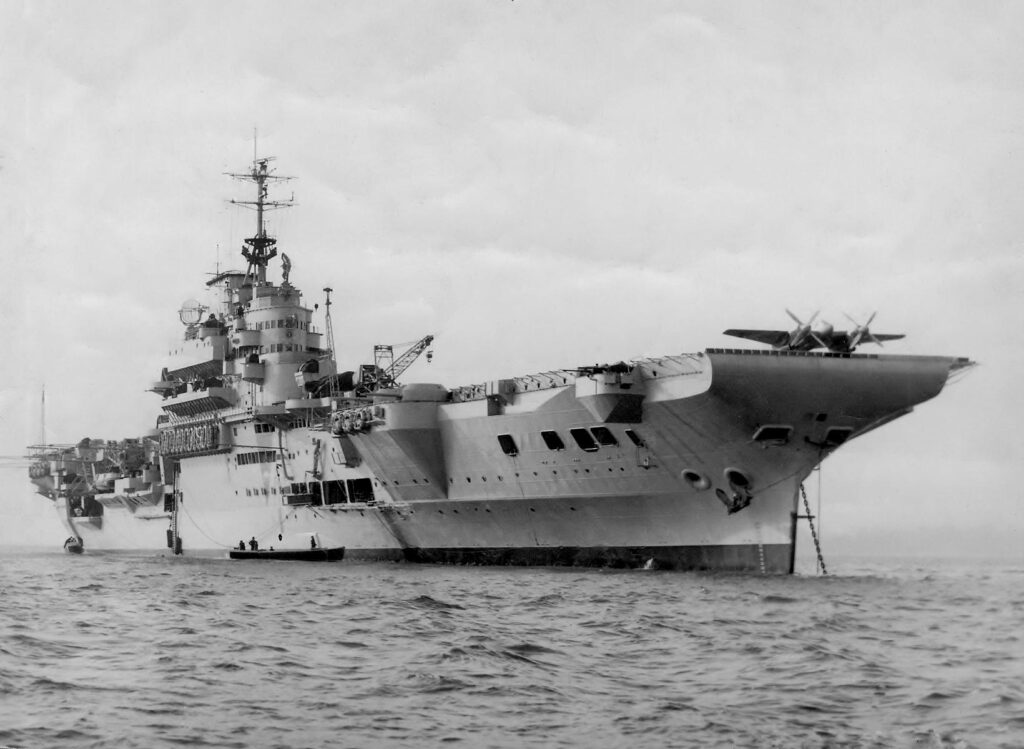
(814, 533)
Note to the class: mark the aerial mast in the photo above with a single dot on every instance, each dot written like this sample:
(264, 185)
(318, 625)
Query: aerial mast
(328, 324)
(260, 248)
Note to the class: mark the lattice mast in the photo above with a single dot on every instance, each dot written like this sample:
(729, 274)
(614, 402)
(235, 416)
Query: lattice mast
(260, 248)
(328, 324)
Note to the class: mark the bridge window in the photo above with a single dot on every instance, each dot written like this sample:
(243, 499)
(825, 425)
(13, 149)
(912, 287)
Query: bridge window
(584, 440)
(508, 444)
(552, 440)
(604, 436)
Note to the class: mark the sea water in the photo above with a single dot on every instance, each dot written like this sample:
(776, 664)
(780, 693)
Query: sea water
(153, 651)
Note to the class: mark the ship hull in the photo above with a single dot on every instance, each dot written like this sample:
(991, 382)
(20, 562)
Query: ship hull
(686, 481)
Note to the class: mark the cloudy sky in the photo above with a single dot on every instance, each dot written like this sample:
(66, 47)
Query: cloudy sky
(539, 185)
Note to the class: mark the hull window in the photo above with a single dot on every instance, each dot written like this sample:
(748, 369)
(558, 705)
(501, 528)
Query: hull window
(773, 434)
(836, 436)
(552, 440)
(635, 438)
(508, 444)
(604, 436)
(584, 440)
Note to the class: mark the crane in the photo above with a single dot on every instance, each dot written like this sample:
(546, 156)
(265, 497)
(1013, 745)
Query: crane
(386, 369)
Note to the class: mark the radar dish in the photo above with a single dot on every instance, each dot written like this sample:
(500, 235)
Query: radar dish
(191, 312)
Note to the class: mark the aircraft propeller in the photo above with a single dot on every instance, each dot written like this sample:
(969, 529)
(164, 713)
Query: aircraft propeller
(803, 329)
(861, 332)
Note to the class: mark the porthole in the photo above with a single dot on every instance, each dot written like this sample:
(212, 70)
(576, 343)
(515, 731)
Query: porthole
(696, 479)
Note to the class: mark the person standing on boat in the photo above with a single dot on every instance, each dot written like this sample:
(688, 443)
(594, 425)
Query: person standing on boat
(254, 544)
(241, 545)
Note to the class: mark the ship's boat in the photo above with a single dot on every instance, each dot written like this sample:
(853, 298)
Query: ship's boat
(291, 555)
(687, 461)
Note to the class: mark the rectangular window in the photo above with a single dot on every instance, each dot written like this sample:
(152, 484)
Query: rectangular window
(634, 438)
(836, 436)
(261, 456)
(583, 439)
(604, 436)
(334, 492)
(552, 440)
(508, 444)
(773, 434)
(360, 490)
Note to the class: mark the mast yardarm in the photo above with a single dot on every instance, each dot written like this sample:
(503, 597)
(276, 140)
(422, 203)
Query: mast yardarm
(260, 248)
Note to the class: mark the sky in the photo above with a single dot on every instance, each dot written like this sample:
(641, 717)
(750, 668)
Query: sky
(539, 185)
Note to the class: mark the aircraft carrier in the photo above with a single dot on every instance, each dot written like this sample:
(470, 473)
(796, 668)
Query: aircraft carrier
(686, 461)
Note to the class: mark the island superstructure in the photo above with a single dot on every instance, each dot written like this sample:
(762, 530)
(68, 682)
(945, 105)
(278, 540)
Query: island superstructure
(688, 461)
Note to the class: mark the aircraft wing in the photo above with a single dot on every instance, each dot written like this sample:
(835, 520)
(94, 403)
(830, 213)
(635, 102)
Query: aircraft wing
(888, 336)
(776, 338)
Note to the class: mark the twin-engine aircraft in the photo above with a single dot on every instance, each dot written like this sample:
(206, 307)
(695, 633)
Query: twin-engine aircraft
(807, 336)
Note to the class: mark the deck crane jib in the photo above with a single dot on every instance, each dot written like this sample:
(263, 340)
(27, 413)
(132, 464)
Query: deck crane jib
(386, 369)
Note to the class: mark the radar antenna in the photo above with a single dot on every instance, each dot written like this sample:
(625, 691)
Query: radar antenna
(260, 248)
(191, 312)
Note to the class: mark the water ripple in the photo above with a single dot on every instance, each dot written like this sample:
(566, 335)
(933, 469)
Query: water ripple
(157, 651)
